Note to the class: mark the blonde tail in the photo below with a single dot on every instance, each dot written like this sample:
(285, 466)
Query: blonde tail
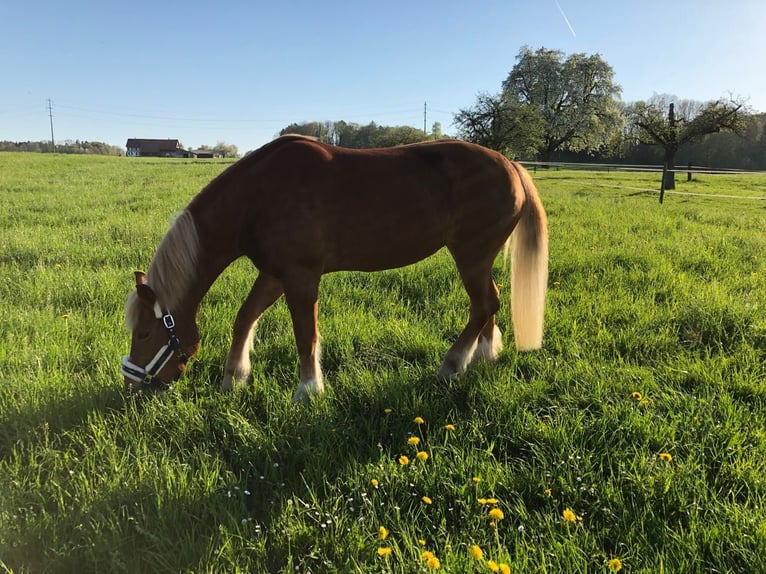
(529, 268)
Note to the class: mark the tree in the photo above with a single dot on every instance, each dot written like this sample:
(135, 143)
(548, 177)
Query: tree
(500, 124)
(575, 98)
(684, 122)
(226, 150)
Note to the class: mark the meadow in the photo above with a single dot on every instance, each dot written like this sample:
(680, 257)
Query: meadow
(634, 441)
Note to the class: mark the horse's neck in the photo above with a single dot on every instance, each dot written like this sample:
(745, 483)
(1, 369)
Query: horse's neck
(217, 251)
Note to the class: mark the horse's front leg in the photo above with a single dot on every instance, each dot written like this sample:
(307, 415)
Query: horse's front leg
(301, 294)
(264, 293)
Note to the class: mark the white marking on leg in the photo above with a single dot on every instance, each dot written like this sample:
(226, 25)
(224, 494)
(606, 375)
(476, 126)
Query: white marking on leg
(313, 384)
(461, 363)
(238, 365)
(489, 349)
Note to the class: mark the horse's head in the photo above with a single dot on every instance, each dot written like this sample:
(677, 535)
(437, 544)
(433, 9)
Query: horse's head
(161, 343)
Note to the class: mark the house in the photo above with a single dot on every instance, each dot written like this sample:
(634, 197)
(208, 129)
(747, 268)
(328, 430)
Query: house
(155, 148)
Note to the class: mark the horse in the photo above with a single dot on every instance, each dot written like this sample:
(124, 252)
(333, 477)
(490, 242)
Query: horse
(299, 208)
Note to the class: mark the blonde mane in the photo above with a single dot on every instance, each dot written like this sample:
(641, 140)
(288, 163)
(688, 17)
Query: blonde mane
(173, 268)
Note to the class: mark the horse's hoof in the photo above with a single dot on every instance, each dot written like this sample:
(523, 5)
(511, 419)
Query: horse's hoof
(306, 390)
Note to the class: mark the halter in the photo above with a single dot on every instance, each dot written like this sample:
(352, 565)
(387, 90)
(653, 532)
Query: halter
(147, 375)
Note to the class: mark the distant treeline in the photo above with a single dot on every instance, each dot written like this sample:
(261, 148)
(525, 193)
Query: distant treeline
(352, 135)
(68, 146)
(717, 150)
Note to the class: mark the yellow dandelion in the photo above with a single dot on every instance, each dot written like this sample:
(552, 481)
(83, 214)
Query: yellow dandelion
(382, 533)
(426, 555)
(421, 542)
(433, 563)
(57, 265)
(636, 395)
(476, 479)
(493, 566)
(476, 552)
(426, 500)
(384, 551)
(487, 501)
(547, 492)
(388, 411)
(404, 460)
(418, 420)
(413, 440)
(374, 482)
(422, 455)
(449, 427)
(496, 514)
(643, 403)
(666, 456)
(614, 565)
(570, 516)
(504, 568)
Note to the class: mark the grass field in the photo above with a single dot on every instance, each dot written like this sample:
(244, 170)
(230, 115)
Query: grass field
(636, 438)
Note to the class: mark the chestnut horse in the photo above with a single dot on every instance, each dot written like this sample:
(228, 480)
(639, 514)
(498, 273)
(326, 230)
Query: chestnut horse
(298, 209)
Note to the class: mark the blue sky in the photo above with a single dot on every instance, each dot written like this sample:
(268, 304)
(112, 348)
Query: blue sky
(239, 71)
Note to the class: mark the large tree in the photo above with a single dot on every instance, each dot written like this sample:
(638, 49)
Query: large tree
(575, 98)
(670, 123)
(500, 124)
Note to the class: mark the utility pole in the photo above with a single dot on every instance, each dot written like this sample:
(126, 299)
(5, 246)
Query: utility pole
(425, 113)
(50, 115)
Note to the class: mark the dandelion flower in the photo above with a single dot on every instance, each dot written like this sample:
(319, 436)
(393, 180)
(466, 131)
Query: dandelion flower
(433, 563)
(492, 565)
(374, 482)
(570, 516)
(422, 455)
(388, 411)
(504, 568)
(476, 479)
(547, 492)
(382, 532)
(666, 456)
(421, 542)
(418, 420)
(614, 565)
(413, 440)
(427, 555)
(496, 514)
(476, 552)
(449, 427)
(426, 500)
(636, 395)
(404, 460)
(384, 551)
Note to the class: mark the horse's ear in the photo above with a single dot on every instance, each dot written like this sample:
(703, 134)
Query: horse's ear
(146, 294)
(140, 278)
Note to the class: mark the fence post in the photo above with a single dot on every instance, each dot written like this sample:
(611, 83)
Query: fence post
(662, 185)
(689, 173)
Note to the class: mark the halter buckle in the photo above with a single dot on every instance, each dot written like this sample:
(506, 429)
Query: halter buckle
(168, 321)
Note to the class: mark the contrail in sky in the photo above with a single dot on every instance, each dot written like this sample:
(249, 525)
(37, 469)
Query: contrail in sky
(564, 16)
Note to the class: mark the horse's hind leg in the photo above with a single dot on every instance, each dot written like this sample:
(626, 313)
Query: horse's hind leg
(301, 292)
(480, 337)
(490, 339)
(264, 293)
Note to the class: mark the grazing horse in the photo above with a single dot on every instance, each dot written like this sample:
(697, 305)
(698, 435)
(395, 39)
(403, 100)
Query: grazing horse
(298, 208)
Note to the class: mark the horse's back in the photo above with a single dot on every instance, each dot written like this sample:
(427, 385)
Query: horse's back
(344, 209)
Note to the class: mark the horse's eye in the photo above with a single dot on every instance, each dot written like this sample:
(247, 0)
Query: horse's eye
(141, 335)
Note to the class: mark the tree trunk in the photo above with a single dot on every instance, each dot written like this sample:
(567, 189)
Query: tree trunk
(670, 175)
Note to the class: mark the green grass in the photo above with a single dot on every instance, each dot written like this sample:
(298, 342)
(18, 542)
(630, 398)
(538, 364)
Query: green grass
(666, 301)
